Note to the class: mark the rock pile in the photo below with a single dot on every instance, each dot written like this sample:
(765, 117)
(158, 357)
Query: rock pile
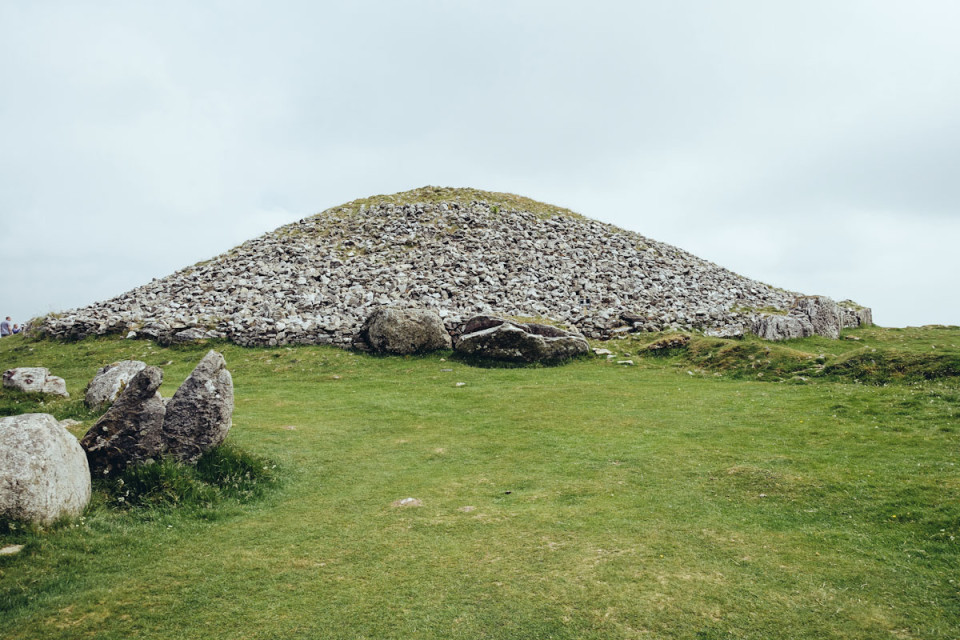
(458, 252)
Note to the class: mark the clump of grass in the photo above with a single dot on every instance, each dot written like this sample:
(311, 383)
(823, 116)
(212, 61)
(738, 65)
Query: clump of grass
(669, 344)
(882, 367)
(223, 473)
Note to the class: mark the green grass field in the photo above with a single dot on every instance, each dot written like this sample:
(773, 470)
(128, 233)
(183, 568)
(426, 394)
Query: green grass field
(683, 497)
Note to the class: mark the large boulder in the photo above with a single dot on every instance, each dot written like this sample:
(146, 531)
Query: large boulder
(404, 331)
(854, 315)
(498, 339)
(192, 334)
(43, 470)
(35, 380)
(131, 431)
(823, 313)
(809, 316)
(778, 327)
(110, 381)
(198, 415)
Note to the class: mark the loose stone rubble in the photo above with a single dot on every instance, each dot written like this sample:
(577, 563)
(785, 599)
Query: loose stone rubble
(458, 252)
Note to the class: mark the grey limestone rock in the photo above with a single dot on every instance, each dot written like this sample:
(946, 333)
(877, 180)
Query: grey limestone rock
(727, 331)
(110, 381)
(193, 334)
(853, 315)
(404, 331)
(198, 415)
(43, 470)
(35, 380)
(518, 342)
(822, 312)
(131, 431)
(777, 327)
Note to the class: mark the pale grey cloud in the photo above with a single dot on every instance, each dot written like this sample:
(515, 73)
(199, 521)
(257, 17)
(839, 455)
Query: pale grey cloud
(811, 145)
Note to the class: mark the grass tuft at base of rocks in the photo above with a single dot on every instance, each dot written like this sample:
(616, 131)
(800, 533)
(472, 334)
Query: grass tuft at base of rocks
(223, 473)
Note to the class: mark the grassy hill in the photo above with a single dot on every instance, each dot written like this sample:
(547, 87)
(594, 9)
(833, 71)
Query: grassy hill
(722, 489)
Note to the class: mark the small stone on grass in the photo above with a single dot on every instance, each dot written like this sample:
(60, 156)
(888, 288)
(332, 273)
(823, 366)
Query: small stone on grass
(406, 502)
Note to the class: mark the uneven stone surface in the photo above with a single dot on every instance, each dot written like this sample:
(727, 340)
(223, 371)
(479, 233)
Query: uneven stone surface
(854, 315)
(460, 252)
(131, 431)
(35, 380)
(776, 327)
(517, 342)
(198, 415)
(404, 331)
(43, 470)
(808, 316)
(110, 381)
(824, 314)
(193, 334)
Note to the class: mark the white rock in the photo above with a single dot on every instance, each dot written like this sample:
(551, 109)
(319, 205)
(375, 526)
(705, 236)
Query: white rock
(110, 381)
(35, 380)
(43, 470)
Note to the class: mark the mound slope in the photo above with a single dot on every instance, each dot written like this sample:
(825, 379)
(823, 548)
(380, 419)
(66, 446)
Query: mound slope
(460, 251)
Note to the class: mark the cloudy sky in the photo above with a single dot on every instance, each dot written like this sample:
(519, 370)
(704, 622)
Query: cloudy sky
(812, 145)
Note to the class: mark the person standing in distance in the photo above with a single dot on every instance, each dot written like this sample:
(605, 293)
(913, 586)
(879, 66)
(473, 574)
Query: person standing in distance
(5, 329)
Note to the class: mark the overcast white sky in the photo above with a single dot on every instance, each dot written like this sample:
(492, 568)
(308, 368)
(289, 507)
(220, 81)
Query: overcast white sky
(811, 145)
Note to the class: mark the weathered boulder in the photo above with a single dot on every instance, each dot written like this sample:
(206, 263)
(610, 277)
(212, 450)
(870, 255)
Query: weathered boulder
(131, 431)
(198, 415)
(777, 327)
(518, 342)
(823, 313)
(730, 331)
(193, 334)
(854, 315)
(43, 470)
(403, 331)
(110, 381)
(35, 380)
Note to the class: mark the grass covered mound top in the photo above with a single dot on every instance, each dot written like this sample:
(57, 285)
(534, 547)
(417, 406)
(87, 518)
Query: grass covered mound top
(461, 252)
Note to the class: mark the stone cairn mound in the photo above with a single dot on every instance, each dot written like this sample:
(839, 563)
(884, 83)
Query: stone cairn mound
(460, 253)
